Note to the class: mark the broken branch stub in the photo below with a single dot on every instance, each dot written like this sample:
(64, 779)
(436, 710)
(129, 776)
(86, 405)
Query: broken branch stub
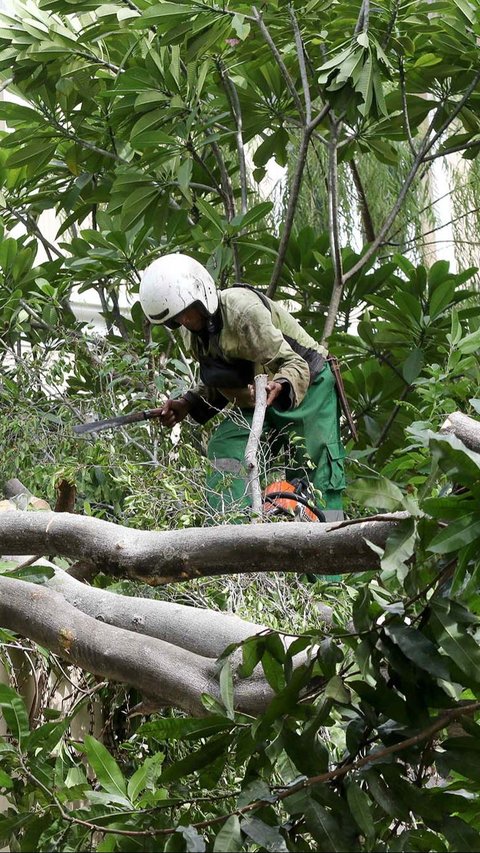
(251, 452)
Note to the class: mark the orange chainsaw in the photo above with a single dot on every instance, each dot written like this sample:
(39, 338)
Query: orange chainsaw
(292, 499)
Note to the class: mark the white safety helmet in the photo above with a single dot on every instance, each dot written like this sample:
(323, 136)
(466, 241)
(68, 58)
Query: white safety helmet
(173, 283)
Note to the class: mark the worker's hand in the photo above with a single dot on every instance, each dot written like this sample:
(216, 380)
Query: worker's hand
(272, 388)
(174, 411)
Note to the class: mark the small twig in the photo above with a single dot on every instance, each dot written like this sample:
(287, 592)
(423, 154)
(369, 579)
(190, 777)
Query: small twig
(235, 107)
(228, 201)
(349, 521)
(333, 228)
(301, 63)
(253, 483)
(283, 68)
(359, 25)
(426, 146)
(406, 119)
(367, 222)
(293, 199)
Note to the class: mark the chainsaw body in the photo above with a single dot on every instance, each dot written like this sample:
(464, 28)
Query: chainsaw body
(292, 500)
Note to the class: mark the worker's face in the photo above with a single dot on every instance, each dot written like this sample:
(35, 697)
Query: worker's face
(192, 319)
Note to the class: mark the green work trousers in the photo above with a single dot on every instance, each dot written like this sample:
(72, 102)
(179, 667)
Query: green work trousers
(309, 435)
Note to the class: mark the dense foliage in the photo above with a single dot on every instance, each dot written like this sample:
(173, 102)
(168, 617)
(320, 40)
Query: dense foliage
(148, 127)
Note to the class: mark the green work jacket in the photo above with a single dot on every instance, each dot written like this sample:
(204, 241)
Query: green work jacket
(250, 334)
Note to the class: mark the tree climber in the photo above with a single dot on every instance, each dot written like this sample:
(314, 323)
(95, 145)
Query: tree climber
(235, 334)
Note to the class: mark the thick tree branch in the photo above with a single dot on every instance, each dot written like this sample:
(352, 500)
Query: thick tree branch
(290, 215)
(293, 199)
(167, 674)
(179, 555)
(406, 119)
(465, 428)
(204, 632)
(228, 201)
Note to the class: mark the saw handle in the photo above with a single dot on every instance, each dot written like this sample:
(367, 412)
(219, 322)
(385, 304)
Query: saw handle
(148, 414)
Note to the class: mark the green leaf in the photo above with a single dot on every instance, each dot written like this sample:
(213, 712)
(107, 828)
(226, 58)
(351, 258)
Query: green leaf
(336, 690)
(199, 759)
(14, 712)
(194, 843)
(460, 835)
(137, 204)
(274, 672)
(47, 736)
(5, 780)
(137, 782)
(418, 648)
(260, 211)
(399, 548)
(463, 761)
(211, 214)
(467, 9)
(229, 837)
(10, 825)
(255, 790)
(241, 28)
(326, 829)
(162, 10)
(457, 461)
(226, 688)
(359, 805)
(38, 153)
(252, 651)
(378, 492)
(33, 574)
(459, 533)
(442, 295)
(412, 366)
(455, 640)
(150, 121)
(106, 769)
(266, 836)
(470, 343)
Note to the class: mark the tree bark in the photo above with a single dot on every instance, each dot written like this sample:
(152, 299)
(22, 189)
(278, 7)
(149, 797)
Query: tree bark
(465, 428)
(166, 674)
(204, 632)
(179, 555)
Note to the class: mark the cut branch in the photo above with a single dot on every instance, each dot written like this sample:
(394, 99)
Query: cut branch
(253, 481)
